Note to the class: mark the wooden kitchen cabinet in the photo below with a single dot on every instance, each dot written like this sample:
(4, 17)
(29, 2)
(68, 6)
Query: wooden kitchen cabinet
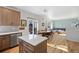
(9, 17)
(4, 42)
(25, 47)
(0, 16)
(15, 18)
(0, 43)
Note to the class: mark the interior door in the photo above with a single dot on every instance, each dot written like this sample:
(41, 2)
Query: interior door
(33, 26)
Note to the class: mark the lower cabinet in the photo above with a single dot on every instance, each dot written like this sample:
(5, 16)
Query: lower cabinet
(25, 47)
(0, 43)
(8, 41)
(4, 42)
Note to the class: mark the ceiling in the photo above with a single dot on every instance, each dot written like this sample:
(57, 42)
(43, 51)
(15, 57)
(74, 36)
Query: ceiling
(53, 12)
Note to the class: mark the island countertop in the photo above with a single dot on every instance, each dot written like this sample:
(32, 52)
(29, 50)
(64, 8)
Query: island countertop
(33, 39)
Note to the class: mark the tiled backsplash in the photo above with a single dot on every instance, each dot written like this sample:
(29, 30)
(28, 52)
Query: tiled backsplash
(8, 28)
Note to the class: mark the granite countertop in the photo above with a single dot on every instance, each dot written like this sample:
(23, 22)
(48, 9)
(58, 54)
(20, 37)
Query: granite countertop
(33, 39)
(7, 33)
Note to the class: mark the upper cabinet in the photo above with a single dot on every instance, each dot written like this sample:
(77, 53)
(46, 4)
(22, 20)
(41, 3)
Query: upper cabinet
(9, 17)
(0, 16)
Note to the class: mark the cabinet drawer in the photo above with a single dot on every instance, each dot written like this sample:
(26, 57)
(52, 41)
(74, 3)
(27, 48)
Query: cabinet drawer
(28, 45)
(27, 50)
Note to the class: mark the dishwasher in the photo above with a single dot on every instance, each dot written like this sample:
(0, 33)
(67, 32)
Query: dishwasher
(13, 40)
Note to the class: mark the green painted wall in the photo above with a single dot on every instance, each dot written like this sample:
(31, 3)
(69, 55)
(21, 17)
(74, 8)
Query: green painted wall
(64, 23)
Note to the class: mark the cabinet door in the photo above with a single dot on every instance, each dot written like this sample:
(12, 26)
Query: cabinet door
(1, 13)
(5, 42)
(15, 18)
(0, 16)
(9, 17)
(0, 43)
(5, 16)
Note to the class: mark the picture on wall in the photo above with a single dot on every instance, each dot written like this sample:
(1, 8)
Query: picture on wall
(23, 23)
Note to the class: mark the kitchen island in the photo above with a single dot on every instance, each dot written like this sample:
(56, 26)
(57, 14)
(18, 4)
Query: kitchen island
(32, 44)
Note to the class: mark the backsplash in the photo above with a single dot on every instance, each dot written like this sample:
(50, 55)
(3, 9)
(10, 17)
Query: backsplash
(8, 29)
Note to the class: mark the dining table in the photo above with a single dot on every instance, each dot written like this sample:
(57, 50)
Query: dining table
(45, 33)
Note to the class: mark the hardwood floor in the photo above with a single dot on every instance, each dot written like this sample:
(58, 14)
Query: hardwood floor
(57, 49)
(56, 44)
(12, 50)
